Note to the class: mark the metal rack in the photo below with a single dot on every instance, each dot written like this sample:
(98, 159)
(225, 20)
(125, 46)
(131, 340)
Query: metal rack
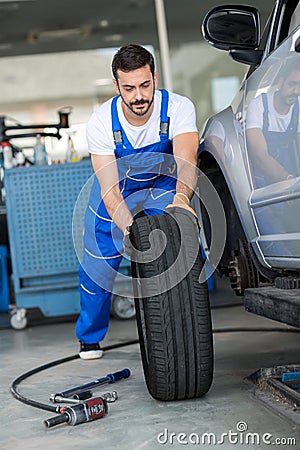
(40, 202)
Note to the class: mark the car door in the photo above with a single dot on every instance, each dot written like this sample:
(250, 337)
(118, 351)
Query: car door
(271, 115)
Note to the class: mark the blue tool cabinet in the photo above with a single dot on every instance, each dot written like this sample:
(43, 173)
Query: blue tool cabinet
(40, 203)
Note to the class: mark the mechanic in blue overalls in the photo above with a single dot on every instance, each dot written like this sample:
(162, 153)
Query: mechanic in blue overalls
(143, 146)
(273, 128)
(273, 139)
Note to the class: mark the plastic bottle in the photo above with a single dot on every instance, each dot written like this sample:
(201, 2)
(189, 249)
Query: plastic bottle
(71, 154)
(20, 158)
(7, 155)
(40, 155)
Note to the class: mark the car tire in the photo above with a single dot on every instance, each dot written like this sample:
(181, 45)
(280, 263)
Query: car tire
(174, 326)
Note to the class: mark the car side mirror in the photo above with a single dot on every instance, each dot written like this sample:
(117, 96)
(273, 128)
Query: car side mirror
(232, 27)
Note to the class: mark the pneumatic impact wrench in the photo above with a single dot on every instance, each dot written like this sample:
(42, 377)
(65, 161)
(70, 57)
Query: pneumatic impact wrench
(84, 411)
(92, 409)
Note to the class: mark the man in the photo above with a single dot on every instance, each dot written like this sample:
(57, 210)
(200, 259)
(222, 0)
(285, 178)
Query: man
(272, 128)
(133, 140)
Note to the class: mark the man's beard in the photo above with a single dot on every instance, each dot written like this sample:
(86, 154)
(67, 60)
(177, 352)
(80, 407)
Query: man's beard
(291, 99)
(139, 102)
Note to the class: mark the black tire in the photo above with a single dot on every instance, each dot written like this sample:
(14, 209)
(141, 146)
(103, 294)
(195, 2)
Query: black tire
(174, 326)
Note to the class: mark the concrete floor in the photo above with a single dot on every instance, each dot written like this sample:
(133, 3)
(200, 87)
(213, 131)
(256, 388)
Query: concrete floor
(135, 421)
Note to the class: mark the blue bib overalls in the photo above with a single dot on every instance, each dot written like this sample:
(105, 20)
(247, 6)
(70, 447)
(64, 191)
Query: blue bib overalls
(147, 181)
(281, 144)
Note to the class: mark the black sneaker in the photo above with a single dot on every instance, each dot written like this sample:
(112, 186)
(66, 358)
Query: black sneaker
(90, 351)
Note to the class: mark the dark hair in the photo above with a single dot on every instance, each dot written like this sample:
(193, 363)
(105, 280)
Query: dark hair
(290, 64)
(131, 57)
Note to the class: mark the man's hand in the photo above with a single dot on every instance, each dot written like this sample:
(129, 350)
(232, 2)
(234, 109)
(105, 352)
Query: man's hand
(181, 200)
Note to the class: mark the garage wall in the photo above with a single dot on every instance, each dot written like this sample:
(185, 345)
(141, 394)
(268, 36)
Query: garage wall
(35, 86)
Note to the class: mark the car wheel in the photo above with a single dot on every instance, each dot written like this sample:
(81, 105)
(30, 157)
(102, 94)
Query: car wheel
(122, 307)
(174, 322)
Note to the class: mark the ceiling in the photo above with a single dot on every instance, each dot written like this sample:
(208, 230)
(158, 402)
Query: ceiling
(45, 26)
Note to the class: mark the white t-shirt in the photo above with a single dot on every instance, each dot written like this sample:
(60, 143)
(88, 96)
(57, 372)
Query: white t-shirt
(100, 139)
(277, 122)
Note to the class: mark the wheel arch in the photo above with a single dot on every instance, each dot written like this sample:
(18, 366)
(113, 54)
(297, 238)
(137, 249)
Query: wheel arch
(236, 232)
(210, 167)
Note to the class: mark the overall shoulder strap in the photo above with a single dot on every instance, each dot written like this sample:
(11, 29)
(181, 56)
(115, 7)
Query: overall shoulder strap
(164, 119)
(120, 137)
(293, 126)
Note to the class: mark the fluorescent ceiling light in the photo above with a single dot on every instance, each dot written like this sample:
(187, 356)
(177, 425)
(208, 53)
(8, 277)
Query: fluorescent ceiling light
(103, 82)
(82, 32)
(6, 46)
(11, 5)
(113, 37)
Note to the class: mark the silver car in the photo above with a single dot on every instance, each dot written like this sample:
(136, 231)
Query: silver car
(251, 154)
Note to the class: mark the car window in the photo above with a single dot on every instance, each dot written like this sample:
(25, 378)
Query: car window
(286, 15)
(295, 20)
(278, 25)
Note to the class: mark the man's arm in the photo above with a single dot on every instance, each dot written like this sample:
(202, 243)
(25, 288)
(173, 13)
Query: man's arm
(185, 149)
(261, 158)
(105, 168)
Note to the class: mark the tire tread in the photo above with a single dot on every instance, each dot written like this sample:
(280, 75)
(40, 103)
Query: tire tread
(177, 355)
